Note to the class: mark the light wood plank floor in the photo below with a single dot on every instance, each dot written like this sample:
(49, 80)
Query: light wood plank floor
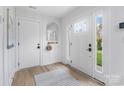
(24, 77)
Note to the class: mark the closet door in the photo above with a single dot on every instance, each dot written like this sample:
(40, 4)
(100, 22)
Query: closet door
(29, 43)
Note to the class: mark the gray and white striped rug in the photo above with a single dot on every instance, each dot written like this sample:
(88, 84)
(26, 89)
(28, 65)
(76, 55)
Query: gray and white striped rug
(58, 77)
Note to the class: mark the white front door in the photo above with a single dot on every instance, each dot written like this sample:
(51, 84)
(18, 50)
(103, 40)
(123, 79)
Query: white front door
(29, 43)
(81, 46)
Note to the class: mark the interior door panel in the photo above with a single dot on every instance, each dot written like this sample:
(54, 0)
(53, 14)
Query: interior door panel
(29, 43)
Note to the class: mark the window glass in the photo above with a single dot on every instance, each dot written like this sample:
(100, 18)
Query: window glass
(80, 27)
(99, 42)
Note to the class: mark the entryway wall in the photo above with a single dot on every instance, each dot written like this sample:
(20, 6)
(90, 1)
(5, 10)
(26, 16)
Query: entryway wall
(8, 53)
(117, 46)
(46, 57)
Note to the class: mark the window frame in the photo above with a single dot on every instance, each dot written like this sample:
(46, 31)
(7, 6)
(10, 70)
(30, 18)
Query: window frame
(84, 23)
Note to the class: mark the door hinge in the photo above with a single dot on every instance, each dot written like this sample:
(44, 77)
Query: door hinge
(18, 23)
(71, 43)
(18, 64)
(3, 19)
(18, 43)
(71, 61)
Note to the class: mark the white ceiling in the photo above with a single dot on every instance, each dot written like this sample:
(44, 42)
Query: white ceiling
(55, 11)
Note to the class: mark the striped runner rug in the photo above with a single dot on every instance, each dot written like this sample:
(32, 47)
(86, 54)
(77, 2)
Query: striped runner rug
(58, 77)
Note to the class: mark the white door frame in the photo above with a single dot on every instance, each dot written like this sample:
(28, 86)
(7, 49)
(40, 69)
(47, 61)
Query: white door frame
(1, 47)
(17, 40)
(100, 75)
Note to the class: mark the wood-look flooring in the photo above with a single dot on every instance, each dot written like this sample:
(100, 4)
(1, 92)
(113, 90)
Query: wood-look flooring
(25, 77)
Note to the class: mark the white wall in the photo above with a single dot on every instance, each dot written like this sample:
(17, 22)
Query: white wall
(55, 55)
(46, 57)
(1, 46)
(117, 46)
(9, 54)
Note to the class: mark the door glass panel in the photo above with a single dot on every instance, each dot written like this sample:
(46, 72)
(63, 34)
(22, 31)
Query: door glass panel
(80, 27)
(99, 43)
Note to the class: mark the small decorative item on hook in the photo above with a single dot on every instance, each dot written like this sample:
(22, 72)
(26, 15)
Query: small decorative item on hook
(48, 47)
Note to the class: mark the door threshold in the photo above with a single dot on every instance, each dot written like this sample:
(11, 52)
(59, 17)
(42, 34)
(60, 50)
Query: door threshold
(81, 72)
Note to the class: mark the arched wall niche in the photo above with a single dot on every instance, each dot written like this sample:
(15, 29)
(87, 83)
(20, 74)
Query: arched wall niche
(52, 30)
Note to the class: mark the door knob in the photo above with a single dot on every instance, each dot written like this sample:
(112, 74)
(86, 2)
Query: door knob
(89, 49)
(89, 45)
(38, 47)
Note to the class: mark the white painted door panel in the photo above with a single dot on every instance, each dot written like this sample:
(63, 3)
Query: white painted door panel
(74, 50)
(79, 54)
(29, 54)
(84, 54)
